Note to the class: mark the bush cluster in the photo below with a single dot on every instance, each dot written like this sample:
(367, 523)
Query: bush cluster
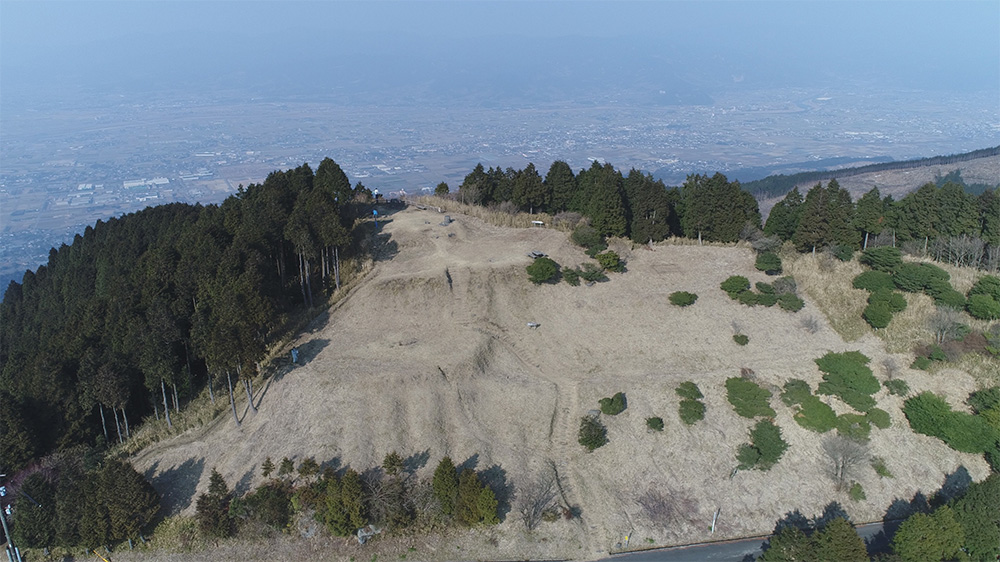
(781, 292)
(931, 415)
(811, 413)
(656, 424)
(614, 405)
(847, 376)
(873, 280)
(765, 448)
(885, 259)
(593, 434)
(897, 387)
(748, 398)
(741, 339)
(589, 238)
(769, 263)
(691, 409)
(543, 270)
(610, 261)
(683, 298)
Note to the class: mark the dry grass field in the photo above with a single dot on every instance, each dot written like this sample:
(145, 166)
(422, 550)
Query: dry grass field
(431, 355)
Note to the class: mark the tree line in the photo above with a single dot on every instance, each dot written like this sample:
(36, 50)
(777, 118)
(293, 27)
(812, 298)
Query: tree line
(143, 311)
(941, 221)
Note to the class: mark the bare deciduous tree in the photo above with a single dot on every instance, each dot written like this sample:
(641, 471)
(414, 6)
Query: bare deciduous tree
(890, 366)
(845, 456)
(663, 508)
(810, 324)
(944, 323)
(534, 497)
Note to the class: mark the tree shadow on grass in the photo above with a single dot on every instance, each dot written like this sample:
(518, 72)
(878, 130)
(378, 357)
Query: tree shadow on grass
(496, 478)
(177, 485)
(416, 461)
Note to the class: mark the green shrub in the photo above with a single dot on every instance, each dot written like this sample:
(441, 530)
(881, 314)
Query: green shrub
(843, 252)
(764, 288)
(656, 424)
(683, 298)
(592, 273)
(688, 389)
(588, 237)
(767, 300)
(614, 405)
(950, 298)
(937, 354)
(985, 399)
(987, 285)
(748, 298)
(879, 418)
(571, 276)
(853, 426)
(885, 258)
(878, 463)
(847, 375)
(741, 339)
(593, 434)
(896, 302)
(795, 391)
(931, 415)
(916, 277)
(735, 285)
(765, 449)
(748, 398)
(610, 261)
(815, 415)
(790, 302)
(542, 270)
(877, 315)
(873, 280)
(921, 363)
(270, 504)
(691, 411)
(983, 307)
(769, 263)
(857, 493)
(897, 387)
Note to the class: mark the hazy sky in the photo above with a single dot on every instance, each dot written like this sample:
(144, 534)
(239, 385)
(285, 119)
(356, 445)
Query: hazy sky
(708, 44)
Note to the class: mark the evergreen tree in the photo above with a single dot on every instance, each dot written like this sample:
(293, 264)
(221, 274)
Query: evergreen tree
(352, 499)
(989, 216)
(839, 541)
(212, 508)
(606, 206)
(978, 513)
(561, 183)
(869, 216)
(650, 208)
(467, 502)
(783, 220)
(474, 189)
(530, 193)
(917, 214)
(445, 485)
(957, 211)
(789, 544)
(35, 511)
(715, 209)
(925, 537)
(826, 219)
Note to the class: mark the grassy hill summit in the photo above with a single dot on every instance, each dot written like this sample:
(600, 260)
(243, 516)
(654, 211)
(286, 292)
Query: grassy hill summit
(445, 348)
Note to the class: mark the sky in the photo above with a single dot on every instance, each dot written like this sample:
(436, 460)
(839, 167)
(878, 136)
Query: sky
(325, 45)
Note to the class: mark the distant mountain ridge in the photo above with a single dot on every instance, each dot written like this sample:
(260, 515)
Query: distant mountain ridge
(780, 184)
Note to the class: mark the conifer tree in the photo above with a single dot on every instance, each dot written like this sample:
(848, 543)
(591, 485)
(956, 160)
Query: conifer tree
(561, 183)
(445, 485)
(783, 220)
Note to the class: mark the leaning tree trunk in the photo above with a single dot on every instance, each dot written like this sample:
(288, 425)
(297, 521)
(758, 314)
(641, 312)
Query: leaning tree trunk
(309, 287)
(166, 405)
(249, 388)
(232, 401)
(118, 427)
(103, 424)
(211, 393)
(336, 267)
(128, 433)
(302, 281)
(177, 407)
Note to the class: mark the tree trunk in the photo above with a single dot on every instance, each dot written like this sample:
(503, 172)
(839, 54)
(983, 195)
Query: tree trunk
(128, 432)
(302, 281)
(211, 393)
(866, 241)
(177, 407)
(166, 405)
(309, 287)
(118, 426)
(336, 266)
(104, 425)
(249, 388)
(232, 401)
(156, 411)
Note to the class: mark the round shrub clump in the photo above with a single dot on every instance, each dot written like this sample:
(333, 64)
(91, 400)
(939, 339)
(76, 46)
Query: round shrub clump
(741, 339)
(593, 434)
(769, 263)
(683, 298)
(879, 418)
(790, 302)
(764, 288)
(542, 270)
(748, 298)
(886, 258)
(895, 301)
(877, 314)
(897, 387)
(873, 281)
(735, 285)
(610, 261)
(983, 307)
(571, 276)
(843, 252)
(987, 285)
(691, 411)
(656, 424)
(767, 300)
(950, 298)
(614, 405)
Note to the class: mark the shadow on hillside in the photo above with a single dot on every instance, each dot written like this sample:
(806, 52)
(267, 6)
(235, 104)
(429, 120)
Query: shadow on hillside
(384, 248)
(177, 485)
(416, 461)
(955, 485)
(496, 478)
(470, 463)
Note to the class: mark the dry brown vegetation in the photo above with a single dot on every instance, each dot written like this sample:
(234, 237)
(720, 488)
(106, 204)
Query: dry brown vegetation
(431, 353)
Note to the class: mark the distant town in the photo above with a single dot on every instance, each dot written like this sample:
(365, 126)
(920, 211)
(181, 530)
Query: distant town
(66, 168)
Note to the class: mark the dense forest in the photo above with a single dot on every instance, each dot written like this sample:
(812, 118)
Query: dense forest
(141, 312)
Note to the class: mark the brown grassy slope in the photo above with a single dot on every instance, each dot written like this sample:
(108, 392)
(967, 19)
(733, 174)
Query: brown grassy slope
(409, 363)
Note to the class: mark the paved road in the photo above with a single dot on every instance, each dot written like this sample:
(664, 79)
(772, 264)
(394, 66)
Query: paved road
(724, 551)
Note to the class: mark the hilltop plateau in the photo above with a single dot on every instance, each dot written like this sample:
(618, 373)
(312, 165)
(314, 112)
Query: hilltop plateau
(431, 354)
